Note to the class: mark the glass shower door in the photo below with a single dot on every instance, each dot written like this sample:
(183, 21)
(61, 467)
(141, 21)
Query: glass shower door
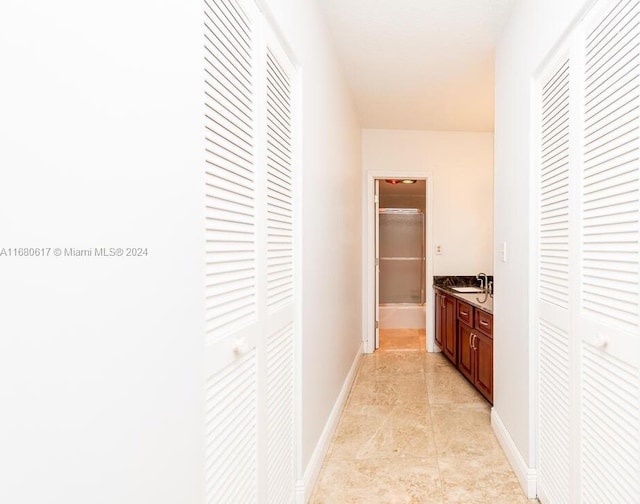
(401, 256)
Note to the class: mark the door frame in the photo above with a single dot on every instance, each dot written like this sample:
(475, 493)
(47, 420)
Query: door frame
(369, 298)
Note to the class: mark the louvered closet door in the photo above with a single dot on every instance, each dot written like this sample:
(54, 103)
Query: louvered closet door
(610, 257)
(250, 348)
(589, 265)
(232, 300)
(554, 345)
(279, 276)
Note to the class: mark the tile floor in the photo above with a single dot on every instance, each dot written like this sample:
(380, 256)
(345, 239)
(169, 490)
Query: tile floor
(402, 339)
(414, 431)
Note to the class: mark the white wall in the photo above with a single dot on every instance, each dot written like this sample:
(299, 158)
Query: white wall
(101, 146)
(332, 261)
(530, 34)
(461, 165)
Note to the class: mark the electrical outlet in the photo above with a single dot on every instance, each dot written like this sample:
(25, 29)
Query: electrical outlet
(438, 249)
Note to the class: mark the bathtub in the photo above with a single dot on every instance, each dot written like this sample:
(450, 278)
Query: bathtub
(402, 316)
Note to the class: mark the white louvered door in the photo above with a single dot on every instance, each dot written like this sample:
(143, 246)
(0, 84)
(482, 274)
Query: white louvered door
(609, 314)
(589, 264)
(233, 325)
(554, 324)
(250, 345)
(279, 276)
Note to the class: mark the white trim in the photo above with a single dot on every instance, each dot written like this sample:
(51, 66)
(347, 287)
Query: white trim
(283, 40)
(535, 93)
(298, 256)
(305, 486)
(526, 475)
(368, 308)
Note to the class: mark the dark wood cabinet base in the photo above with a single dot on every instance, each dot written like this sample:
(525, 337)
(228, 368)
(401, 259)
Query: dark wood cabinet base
(465, 336)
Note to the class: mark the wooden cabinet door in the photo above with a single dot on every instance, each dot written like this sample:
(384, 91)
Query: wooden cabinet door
(439, 319)
(466, 355)
(484, 364)
(449, 336)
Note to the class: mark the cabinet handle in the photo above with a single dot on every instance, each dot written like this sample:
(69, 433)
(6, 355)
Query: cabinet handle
(464, 313)
(475, 337)
(482, 322)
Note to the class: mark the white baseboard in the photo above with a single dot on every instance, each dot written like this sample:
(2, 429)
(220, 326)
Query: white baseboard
(305, 486)
(526, 476)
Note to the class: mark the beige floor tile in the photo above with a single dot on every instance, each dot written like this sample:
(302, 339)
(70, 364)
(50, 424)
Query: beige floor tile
(377, 431)
(447, 386)
(434, 362)
(482, 479)
(379, 481)
(463, 430)
(392, 364)
(402, 340)
(390, 392)
(415, 431)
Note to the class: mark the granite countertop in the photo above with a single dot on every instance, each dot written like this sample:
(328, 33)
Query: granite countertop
(444, 284)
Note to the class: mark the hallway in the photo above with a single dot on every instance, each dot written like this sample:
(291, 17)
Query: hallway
(414, 431)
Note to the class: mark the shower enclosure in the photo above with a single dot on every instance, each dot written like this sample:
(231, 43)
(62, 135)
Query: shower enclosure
(402, 267)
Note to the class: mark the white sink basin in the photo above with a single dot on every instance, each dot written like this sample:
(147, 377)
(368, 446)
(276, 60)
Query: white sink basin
(467, 290)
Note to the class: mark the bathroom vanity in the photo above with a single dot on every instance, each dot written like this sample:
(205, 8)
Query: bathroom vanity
(464, 333)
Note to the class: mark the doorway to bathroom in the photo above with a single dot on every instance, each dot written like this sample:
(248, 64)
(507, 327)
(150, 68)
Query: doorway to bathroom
(400, 281)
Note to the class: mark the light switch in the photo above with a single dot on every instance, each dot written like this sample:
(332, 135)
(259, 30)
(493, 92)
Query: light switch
(503, 251)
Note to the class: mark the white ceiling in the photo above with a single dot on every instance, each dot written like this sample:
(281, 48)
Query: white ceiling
(419, 64)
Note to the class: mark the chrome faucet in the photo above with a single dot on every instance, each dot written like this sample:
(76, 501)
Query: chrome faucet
(484, 285)
(482, 278)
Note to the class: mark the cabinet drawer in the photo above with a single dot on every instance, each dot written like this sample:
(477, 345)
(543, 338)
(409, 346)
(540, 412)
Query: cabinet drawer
(465, 313)
(484, 322)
